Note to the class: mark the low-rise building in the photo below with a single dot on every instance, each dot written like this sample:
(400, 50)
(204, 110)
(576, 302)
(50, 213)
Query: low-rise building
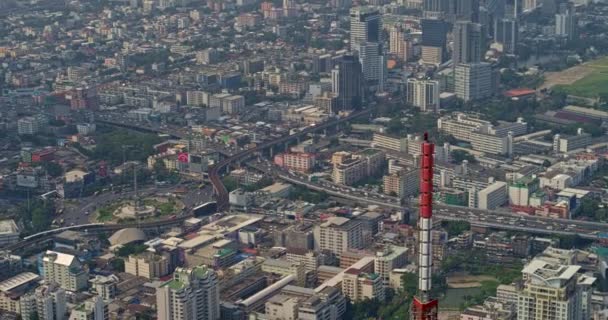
(356, 167)
(390, 142)
(493, 196)
(285, 268)
(390, 258)
(566, 143)
(357, 285)
(148, 265)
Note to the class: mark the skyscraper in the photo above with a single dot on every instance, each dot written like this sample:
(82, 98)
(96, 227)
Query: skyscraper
(565, 25)
(433, 42)
(424, 94)
(347, 82)
(435, 8)
(365, 26)
(372, 64)
(506, 32)
(467, 42)
(399, 45)
(192, 294)
(473, 81)
(467, 10)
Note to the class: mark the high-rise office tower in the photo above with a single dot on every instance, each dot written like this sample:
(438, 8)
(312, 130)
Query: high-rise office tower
(347, 82)
(372, 64)
(473, 81)
(192, 294)
(468, 46)
(424, 94)
(433, 42)
(365, 26)
(506, 32)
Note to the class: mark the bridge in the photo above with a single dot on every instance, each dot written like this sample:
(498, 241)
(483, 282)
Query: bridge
(493, 219)
(214, 173)
(44, 236)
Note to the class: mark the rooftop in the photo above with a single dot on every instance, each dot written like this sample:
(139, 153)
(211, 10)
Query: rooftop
(18, 280)
(547, 272)
(59, 258)
(8, 226)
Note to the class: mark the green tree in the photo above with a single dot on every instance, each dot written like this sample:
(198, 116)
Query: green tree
(118, 265)
(460, 155)
(53, 169)
(135, 145)
(455, 228)
(230, 183)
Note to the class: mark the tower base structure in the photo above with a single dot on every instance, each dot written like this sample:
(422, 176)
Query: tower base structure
(427, 310)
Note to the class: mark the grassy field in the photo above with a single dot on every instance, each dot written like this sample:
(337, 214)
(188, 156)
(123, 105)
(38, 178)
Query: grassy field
(592, 85)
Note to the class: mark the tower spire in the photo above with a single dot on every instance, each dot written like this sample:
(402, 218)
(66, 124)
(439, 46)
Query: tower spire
(423, 307)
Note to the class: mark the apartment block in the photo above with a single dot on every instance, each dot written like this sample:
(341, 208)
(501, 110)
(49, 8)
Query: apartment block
(148, 265)
(65, 270)
(338, 234)
(554, 291)
(192, 294)
(357, 285)
(390, 258)
(358, 166)
(493, 196)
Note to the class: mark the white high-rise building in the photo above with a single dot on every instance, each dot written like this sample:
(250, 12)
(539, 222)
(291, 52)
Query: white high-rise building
(47, 302)
(365, 26)
(565, 25)
(192, 294)
(473, 81)
(50, 302)
(65, 270)
(372, 63)
(424, 94)
(554, 291)
(338, 234)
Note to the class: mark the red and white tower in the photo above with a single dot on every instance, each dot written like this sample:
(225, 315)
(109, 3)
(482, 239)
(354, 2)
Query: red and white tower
(423, 307)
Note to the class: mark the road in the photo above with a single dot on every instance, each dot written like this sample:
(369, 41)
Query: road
(214, 173)
(483, 218)
(78, 212)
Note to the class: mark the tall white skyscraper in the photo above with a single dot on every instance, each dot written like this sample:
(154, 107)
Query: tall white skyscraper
(192, 294)
(424, 94)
